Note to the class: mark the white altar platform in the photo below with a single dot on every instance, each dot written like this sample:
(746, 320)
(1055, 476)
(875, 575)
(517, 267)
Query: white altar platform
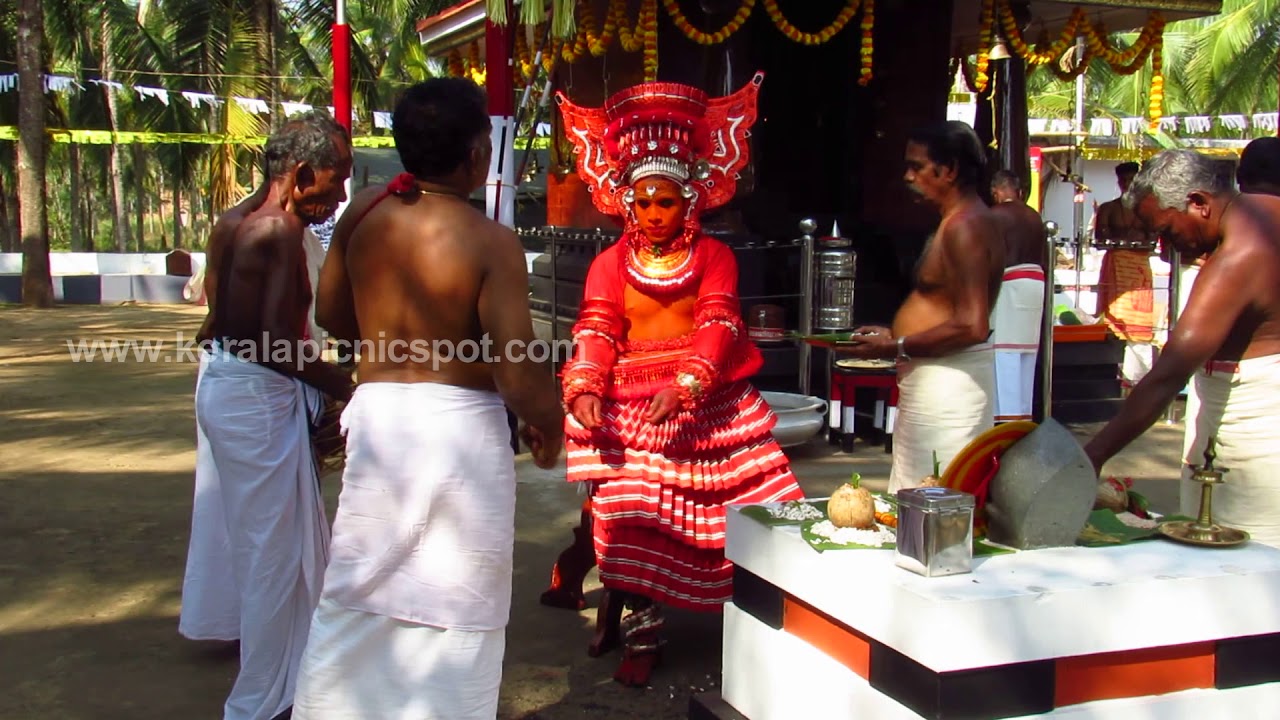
(1153, 629)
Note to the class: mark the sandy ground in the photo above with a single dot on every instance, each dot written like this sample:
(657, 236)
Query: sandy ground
(96, 463)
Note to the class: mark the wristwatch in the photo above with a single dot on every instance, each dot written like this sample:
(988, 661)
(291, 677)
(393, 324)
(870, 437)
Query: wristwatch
(902, 350)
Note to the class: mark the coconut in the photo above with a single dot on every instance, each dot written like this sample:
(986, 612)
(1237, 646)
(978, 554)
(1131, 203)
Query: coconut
(1111, 496)
(852, 506)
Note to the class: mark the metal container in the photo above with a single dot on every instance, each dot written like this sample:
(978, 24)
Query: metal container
(834, 276)
(935, 531)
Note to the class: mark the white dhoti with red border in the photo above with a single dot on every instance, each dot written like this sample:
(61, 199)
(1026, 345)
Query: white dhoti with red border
(1016, 321)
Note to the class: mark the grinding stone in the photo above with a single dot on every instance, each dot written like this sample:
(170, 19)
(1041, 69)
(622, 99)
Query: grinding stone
(1044, 491)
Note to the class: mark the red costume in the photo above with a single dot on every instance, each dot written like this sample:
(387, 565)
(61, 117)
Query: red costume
(662, 313)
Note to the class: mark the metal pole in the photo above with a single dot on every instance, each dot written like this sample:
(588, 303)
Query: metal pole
(1078, 231)
(1046, 331)
(807, 226)
(1175, 291)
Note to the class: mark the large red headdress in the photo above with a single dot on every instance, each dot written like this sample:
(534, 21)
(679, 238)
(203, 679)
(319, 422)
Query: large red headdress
(663, 129)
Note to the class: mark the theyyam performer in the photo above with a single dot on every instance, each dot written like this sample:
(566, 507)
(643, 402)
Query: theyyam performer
(664, 425)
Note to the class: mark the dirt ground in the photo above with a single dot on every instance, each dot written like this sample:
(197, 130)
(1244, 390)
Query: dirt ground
(96, 463)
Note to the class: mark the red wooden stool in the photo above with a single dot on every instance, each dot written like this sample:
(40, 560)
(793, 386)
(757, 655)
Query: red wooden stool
(847, 377)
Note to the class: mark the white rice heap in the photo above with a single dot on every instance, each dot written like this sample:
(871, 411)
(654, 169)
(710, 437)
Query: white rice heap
(796, 510)
(882, 505)
(853, 536)
(1134, 521)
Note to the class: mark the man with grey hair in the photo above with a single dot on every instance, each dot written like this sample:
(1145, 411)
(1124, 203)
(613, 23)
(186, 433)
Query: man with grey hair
(261, 392)
(1228, 336)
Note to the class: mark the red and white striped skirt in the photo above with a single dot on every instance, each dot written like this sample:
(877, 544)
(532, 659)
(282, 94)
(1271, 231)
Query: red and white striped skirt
(659, 491)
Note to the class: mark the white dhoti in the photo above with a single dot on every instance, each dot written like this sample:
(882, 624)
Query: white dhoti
(1237, 405)
(1016, 320)
(257, 422)
(943, 404)
(210, 596)
(417, 593)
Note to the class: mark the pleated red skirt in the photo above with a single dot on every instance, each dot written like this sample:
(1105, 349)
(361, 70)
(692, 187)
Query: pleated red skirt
(659, 491)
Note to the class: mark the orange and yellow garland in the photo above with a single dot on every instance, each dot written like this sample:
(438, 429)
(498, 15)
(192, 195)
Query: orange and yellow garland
(1150, 43)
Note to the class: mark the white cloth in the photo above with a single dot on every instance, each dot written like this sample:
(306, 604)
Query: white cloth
(943, 404)
(1138, 360)
(210, 596)
(1015, 385)
(1239, 410)
(315, 260)
(422, 543)
(1016, 321)
(1019, 309)
(257, 422)
(360, 666)
(425, 526)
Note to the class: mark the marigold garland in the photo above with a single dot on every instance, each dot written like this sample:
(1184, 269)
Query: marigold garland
(868, 49)
(795, 35)
(734, 24)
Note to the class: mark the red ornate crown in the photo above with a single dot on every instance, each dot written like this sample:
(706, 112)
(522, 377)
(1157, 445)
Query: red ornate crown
(666, 129)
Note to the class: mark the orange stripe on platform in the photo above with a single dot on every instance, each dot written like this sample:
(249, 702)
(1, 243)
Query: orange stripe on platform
(1133, 673)
(837, 640)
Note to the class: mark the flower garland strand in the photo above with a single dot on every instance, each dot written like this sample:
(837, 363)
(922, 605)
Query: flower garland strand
(822, 36)
(1156, 106)
(867, 50)
(704, 38)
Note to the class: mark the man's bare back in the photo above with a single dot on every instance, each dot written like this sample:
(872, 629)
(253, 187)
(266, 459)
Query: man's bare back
(223, 231)
(424, 259)
(959, 274)
(1024, 236)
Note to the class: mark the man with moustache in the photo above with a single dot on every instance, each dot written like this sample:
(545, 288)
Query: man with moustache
(941, 336)
(1227, 339)
(260, 393)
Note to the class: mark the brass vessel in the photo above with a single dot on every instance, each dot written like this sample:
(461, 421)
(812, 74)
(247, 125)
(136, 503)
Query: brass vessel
(1203, 530)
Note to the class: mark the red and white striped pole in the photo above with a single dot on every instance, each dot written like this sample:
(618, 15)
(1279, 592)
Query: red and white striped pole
(500, 191)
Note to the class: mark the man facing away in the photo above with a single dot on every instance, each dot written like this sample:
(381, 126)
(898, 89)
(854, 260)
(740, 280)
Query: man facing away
(1227, 339)
(1019, 312)
(1126, 294)
(417, 593)
(210, 597)
(256, 402)
(1259, 169)
(941, 334)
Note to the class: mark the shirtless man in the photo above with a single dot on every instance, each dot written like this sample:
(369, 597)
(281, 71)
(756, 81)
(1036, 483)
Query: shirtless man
(1019, 312)
(256, 402)
(210, 601)
(417, 594)
(1126, 288)
(1228, 337)
(1259, 171)
(941, 334)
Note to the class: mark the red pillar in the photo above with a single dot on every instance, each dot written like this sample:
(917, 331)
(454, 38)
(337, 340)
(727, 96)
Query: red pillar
(500, 191)
(341, 66)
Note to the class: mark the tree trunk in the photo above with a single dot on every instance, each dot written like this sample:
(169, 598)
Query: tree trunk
(77, 229)
(8, 232)
(177, 203)
(120, 223)
(139, 196)
(37, 284)
(266, 22)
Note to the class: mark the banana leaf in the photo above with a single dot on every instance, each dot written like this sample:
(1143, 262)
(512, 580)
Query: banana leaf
(761, 514)
(1104, 529)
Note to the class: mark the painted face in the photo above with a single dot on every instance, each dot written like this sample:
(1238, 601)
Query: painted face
(1184, 228)
(659, 209)
(923, 176)
(319, 191)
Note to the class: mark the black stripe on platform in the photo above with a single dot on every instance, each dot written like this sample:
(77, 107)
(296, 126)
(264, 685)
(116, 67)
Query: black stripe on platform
(984, 694)
(710, 706)
(1244, 661)
(757, 597)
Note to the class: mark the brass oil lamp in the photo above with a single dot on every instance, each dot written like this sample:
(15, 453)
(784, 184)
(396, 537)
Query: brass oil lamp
(1203, 530)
